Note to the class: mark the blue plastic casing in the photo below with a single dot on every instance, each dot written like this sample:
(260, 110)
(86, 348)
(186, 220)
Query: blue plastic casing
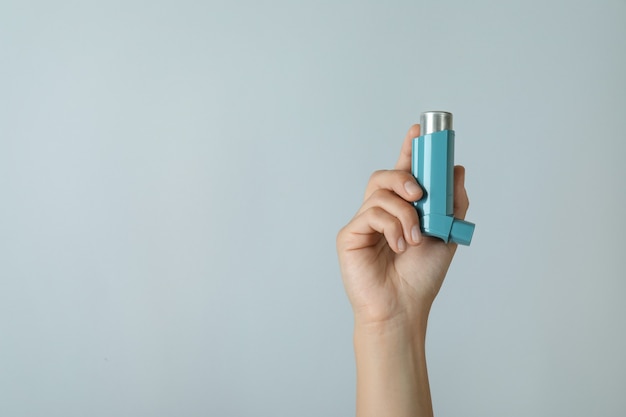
(433, 166)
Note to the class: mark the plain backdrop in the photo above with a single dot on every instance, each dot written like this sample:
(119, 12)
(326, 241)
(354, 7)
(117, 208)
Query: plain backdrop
(173, 175)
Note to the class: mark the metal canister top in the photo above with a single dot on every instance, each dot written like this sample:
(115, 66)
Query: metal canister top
(434, 121)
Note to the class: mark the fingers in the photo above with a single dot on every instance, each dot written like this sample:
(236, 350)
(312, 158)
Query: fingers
(461, 201)
(387, 210)
(393, 191)
(400, 209)
(365, 230)
(402, 183)
(404, 161)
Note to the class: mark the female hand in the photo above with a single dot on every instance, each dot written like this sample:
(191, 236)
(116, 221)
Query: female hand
(390, 271)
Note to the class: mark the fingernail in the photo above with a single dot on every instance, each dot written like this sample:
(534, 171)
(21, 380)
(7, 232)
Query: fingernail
(415, 234)
(412, 188)
(401, 244)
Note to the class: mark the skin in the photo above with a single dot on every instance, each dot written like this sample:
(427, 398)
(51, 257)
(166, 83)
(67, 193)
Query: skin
(392, 275)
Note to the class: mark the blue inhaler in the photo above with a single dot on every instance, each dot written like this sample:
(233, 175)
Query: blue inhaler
(432, 164)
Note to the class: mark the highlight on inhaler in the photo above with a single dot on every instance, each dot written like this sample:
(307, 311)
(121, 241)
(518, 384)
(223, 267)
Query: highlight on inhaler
(432, 164)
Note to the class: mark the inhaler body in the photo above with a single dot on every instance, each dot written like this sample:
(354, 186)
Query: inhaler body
(433, 166)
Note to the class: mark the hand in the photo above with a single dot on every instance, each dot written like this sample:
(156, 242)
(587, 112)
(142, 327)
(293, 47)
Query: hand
(390, 271)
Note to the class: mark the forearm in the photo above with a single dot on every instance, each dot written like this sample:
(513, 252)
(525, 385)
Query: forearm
(391, 370)
(392, 275)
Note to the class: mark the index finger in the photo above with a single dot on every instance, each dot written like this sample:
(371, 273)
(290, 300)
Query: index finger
(404, 161)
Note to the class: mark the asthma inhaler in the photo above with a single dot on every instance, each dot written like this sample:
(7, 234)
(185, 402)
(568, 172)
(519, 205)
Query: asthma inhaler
(432, 164)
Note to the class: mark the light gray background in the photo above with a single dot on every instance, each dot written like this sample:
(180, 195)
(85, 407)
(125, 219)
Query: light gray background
(173, 175)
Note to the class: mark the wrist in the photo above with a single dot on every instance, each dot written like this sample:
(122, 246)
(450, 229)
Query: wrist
(391, 368)
(407, 332)
(406, 321)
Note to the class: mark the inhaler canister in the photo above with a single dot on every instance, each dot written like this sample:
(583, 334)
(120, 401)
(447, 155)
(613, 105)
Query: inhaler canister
(433, 166)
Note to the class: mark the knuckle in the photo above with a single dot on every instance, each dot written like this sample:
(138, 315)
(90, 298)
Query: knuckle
(409, 212)
(340, 235)
(376, 175)
(374, 211)
(397, 227)
(379, 196)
